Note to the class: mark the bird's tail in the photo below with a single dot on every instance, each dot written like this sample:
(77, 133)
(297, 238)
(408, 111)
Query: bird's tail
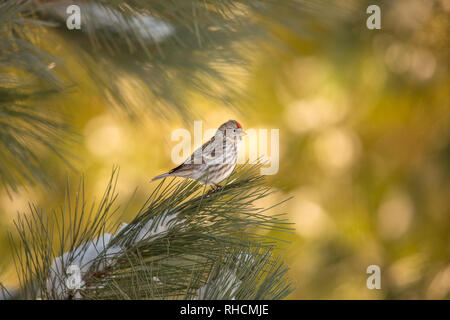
(160, 176)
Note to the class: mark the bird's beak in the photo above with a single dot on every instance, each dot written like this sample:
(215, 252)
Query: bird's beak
(242, 132)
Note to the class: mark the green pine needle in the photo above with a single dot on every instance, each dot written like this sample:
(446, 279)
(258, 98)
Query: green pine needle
(186, 243)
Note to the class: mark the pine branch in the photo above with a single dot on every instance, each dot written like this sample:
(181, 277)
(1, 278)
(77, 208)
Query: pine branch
(27, 125)
(186, 242)
(163, 50)
(170, 50)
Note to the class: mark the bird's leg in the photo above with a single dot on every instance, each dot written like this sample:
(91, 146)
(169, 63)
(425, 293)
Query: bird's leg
(214, 187)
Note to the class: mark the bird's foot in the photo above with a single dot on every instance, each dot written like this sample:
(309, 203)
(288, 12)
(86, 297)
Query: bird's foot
(216, 187)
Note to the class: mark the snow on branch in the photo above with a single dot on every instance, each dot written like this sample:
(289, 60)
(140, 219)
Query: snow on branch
(91, 259)
(187, 242)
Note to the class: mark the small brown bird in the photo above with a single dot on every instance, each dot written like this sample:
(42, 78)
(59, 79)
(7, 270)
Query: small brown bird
(213, 161)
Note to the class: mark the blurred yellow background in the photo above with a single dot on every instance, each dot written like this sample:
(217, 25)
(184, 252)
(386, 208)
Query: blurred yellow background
(364, 126)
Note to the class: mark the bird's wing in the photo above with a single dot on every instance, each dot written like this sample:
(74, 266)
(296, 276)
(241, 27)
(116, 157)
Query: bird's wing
(204, 153)
(197, 159)
(213, 151)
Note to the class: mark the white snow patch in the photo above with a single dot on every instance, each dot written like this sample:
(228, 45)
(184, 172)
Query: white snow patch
(98, 249)
(145, 26)
(151, 228)
(227, 279)
(80, 259)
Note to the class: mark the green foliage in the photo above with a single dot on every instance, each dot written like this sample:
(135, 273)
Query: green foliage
(363, 118)
(212, 247)
(166, 51)
(27, 126)
(186, 48)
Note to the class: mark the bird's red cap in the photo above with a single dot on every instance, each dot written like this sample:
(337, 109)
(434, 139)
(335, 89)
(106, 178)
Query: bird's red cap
(238, 125)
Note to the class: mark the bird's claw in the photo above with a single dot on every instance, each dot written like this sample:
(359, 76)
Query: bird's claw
(216, 187)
